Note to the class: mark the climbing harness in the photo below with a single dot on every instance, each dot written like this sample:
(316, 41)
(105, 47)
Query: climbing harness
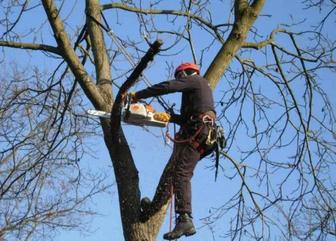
(205, 120)
(214, 142)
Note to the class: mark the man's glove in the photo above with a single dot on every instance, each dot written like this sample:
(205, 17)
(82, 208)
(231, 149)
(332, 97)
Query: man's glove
(133, 97)
(161, 116)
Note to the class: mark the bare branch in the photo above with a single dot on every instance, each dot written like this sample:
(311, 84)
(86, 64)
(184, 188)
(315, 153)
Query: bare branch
(70, 56)
(41, 47)
(102, 63)
(159, 12)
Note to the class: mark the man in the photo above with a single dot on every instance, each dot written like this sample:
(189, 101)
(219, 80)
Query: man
(196, 119)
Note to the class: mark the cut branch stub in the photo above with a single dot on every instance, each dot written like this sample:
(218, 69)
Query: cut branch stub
(116, 110)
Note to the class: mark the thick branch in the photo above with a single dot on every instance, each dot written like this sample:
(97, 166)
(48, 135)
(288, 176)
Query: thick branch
(64, 44)
(240, 7)
(31, 46)
(244, 19)
(257, 5)
(101, 58)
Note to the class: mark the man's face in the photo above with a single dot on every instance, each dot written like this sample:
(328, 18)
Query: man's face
(180, 74)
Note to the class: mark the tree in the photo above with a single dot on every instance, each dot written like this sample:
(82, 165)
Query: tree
(273, 102)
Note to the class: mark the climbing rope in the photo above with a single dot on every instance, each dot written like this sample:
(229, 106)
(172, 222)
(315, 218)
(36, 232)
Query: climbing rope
(171, 210)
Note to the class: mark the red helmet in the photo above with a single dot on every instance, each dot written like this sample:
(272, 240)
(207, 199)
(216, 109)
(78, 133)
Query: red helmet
(186, 66)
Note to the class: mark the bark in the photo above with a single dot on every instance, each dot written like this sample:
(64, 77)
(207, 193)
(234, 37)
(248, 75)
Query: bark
(20, 45)
(69, 54)
(101, 59)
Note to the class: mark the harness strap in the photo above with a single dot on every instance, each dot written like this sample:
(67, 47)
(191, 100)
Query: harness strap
(188, 140)
(207, 118)
(197, 146)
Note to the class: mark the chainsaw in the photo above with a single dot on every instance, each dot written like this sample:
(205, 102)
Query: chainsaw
(139, 114)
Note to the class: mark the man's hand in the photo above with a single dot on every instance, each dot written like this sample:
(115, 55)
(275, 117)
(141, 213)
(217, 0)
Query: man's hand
(161, 116)
(133, 97)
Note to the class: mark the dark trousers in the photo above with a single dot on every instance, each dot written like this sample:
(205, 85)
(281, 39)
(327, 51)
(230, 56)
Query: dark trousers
(185, 158)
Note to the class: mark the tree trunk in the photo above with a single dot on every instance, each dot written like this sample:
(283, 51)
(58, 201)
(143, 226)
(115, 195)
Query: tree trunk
(135, 226)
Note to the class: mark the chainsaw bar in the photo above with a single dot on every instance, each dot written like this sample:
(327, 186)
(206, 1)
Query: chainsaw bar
(135, 114)
(99, 113)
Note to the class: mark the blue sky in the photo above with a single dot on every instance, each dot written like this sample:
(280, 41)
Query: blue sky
(148, 147)
(151, 154)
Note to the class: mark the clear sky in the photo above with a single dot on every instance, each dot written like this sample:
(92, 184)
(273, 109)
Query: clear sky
(151, 152)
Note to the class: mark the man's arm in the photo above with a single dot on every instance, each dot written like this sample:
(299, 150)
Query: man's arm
(166, 87)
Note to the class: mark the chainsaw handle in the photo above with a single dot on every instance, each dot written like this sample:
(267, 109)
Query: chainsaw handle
(128, 100)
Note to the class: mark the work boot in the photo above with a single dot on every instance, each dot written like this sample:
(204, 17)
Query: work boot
(145, 204)
(184, 226)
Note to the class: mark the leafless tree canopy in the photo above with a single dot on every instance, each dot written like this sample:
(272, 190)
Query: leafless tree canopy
(274, 92)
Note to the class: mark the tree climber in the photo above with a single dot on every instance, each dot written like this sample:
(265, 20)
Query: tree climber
(194, 139)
